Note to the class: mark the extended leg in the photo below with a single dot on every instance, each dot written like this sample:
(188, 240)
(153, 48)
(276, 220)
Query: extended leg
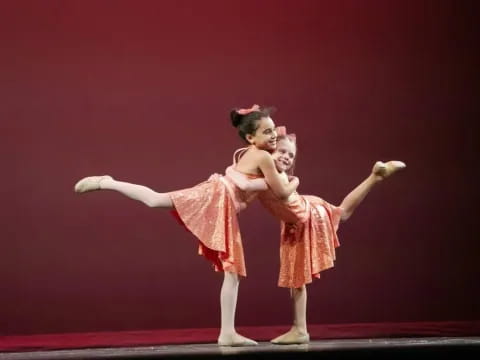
(380, 171)
(298, 334)
(133, 191)
(228, 303)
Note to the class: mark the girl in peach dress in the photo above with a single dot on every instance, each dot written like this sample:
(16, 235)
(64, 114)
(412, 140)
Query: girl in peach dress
(308, 230)
(209, 209)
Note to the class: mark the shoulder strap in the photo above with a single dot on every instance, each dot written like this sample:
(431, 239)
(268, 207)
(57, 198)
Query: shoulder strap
(238, 154)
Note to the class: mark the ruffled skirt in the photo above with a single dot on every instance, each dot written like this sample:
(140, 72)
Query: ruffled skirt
(307, 247)
(209, 211)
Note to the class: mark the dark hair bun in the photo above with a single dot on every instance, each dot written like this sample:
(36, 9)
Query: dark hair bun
(248, 123)
(236, 118)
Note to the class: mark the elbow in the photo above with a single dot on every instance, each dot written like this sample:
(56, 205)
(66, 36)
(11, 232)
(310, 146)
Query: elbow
(242, 186)
(282, 195)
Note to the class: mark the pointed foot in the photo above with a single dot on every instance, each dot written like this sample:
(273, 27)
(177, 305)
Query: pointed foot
(90, 183)
(383, 170)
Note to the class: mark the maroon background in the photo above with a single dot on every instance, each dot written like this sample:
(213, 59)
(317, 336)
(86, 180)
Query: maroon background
(141, 90)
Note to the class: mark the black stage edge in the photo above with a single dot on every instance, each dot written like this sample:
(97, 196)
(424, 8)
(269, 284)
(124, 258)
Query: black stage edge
(400, 348)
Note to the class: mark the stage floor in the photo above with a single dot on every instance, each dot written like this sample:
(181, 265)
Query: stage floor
(440, 347)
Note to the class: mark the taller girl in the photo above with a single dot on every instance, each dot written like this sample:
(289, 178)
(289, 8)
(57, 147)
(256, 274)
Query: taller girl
(209, 209)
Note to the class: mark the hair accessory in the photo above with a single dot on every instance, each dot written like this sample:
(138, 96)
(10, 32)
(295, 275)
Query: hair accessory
(248, 111)
(281, 131)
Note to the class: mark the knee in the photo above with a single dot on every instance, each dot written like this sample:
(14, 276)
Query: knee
(345, 214)
(231, 277)
(158, 200)
(150, 203)
(301, 289)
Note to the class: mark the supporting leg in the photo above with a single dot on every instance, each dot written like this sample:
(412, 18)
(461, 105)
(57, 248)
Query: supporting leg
(298, 334)
(228, 303)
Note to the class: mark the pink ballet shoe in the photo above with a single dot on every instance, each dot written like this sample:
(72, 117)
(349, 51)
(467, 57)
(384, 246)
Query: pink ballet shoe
(292, 337)
(90, 183)
(384, 170)
(235, 340)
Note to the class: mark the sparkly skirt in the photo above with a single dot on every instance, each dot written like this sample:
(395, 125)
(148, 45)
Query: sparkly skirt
(308, 247)
(209, 211)
(308, 236)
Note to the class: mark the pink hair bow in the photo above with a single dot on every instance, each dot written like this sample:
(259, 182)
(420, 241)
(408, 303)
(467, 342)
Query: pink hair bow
(282, 131)
(248, 111)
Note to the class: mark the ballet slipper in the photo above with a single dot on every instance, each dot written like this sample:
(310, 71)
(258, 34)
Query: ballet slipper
(292, 337)
(90, 183)
(235, 340)
(384, 170)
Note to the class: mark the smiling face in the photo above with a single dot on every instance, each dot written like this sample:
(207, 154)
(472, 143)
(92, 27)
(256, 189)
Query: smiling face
(265, 136)
(284, 154)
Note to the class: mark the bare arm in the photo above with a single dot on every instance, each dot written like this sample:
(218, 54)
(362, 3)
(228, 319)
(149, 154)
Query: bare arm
(273, 178)
(243, 183)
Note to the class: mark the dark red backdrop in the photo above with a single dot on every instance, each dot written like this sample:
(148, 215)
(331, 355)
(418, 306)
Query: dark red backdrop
(141, 90)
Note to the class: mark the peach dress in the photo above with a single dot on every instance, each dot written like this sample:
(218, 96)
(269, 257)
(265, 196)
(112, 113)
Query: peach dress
(209, 211)
(308, 237)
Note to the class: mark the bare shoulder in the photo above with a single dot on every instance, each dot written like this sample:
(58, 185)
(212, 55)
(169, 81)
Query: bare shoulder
(261, 155)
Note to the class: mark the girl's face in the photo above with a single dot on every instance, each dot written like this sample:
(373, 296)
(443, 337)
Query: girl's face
(284, 155)
(265, 136)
